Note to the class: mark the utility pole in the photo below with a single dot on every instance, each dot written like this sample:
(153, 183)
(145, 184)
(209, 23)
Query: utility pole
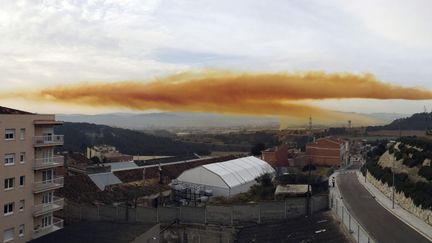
(394, 186)
(309, 188)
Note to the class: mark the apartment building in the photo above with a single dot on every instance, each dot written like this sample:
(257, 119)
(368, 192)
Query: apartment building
(328, 151)
(28, 175)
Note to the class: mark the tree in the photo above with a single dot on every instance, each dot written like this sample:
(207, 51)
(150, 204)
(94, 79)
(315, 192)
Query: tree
(309, 166)
(95, 160)
(257, 149)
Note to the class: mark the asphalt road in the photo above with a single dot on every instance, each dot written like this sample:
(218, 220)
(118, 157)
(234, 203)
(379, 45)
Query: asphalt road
(380, 223)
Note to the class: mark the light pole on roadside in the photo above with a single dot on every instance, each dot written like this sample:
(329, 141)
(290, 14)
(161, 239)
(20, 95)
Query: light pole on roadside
(393, 189)
(393, 179)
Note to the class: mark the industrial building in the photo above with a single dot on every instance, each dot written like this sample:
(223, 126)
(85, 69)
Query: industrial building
(225, 178)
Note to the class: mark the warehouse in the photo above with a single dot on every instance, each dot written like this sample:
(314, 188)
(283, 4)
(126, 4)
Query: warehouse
(225, 178)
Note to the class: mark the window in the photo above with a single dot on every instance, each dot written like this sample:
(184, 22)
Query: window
(21, 230)
(22, 133)
(21, 205)
(8, 208)
(47, 176)
(9, 183)
(9, 159)
(9, 134)
(22, 181)
(46, 221)
(22, 157)
(47, 198)
(8, 235)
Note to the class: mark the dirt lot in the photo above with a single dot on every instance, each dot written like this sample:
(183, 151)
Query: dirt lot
(316, 228)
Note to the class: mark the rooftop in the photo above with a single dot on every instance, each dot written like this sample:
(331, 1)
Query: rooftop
(10, 111)
(239, 171)
(97, 232)
(293, 189)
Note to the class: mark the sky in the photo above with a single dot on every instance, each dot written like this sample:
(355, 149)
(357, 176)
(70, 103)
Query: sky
(54, 43)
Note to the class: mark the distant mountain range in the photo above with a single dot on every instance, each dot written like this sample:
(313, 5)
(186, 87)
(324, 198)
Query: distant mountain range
(418, 121)
(165, 120)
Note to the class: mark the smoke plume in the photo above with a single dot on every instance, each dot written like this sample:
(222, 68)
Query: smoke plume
(271, 94)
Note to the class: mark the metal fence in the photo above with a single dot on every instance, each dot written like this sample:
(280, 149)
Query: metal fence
(227, 215)
(358, 233)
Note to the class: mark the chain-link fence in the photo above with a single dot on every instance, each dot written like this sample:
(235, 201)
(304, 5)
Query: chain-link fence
(211, 214)
(357, 232)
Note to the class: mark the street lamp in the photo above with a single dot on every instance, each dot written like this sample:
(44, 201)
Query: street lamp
(394, 186)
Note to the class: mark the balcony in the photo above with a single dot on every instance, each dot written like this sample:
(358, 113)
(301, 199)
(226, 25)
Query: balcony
(41, 186)
(46, 163)
(56, 204)
(47, 122)
(56, 225)
(50, 140)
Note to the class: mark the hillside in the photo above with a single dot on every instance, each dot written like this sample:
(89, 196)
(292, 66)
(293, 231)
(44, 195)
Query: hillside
(165, 120)
(410, 161)
(169, 120)
(418, 121)
(80, 135)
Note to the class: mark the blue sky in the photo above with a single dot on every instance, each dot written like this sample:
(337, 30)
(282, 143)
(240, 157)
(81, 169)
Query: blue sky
(64, 42)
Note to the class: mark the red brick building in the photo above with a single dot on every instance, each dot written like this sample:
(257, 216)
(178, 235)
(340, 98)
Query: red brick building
(283, 156)
(329, 151)
(276, 156)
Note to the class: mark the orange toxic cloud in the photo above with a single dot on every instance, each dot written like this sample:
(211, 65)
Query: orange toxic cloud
(271, 94)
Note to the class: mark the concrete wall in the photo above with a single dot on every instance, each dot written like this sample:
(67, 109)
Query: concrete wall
(229, 215)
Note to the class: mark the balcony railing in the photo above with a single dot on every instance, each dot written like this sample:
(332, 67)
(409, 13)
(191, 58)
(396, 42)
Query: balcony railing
(56, 225)
(56, 204)
(48, 140)
(54, 183)
(44, 163)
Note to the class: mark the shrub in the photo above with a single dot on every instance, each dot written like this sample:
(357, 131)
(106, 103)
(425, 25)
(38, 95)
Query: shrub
(426, 172)
(398, 155)
(391, 149)
(309, 166)
(420, 192)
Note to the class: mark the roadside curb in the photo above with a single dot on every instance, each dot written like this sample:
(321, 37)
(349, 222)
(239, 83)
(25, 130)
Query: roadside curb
(407, 222)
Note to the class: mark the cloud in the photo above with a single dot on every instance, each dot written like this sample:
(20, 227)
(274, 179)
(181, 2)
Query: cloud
(68, 42)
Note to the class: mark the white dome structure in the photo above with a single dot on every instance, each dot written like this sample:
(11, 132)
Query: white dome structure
(226, 178)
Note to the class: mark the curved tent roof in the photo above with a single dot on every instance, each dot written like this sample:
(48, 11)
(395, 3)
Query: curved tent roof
(239, 171)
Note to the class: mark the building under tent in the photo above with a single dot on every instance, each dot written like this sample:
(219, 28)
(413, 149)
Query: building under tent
(225, 178)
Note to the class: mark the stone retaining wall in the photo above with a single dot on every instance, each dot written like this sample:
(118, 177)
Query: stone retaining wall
(403, 201)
